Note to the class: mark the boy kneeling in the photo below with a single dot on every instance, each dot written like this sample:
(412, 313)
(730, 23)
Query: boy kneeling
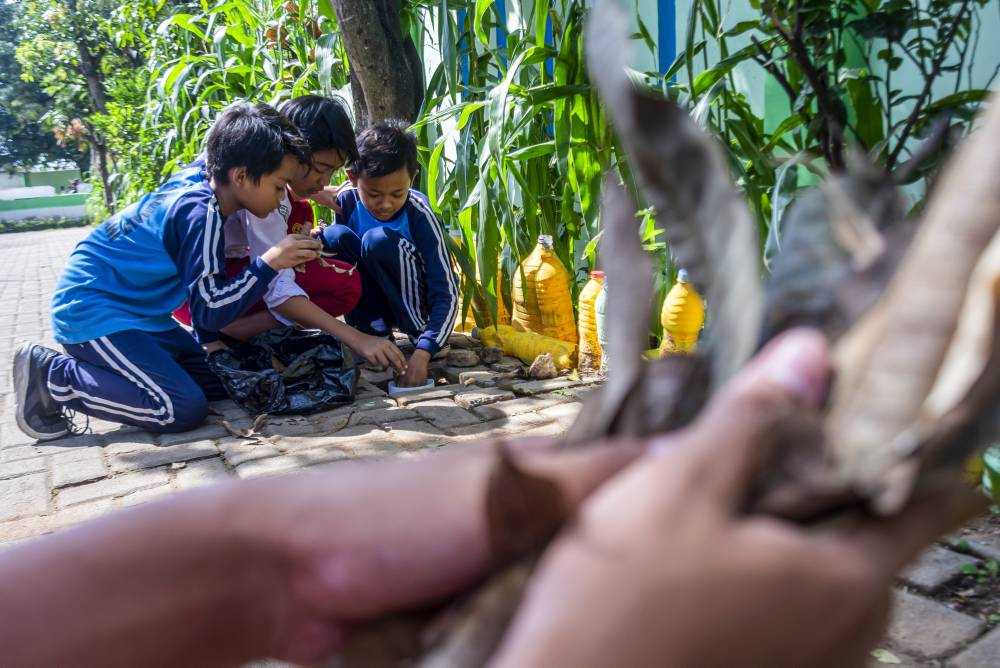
(127, 360)
(389, 229)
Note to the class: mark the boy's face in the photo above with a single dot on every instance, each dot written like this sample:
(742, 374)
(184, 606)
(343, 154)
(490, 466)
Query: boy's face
(384, 195)
(263, 197)
(313, 178)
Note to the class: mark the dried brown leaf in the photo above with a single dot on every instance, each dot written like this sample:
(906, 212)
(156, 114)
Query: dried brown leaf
(890, 368)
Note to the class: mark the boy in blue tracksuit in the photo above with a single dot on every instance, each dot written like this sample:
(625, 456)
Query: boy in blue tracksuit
(126, 359)
(389, 230)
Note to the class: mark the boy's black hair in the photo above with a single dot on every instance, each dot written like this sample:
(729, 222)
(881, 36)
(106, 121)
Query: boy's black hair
(324, 123)
(254, 136)
(384, 148)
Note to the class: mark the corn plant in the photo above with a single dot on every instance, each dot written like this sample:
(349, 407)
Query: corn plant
(514, 141)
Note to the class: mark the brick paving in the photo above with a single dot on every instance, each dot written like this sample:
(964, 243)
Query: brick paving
(46, 487)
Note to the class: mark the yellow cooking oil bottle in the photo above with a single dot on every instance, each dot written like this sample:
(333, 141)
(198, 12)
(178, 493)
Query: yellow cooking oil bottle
(542, 296)
(682, 317)
(526, 346)
(590, 347)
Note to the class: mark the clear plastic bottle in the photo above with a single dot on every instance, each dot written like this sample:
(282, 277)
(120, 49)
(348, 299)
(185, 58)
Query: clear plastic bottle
(590, 347)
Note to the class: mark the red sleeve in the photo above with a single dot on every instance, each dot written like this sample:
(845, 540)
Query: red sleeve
(301, 218)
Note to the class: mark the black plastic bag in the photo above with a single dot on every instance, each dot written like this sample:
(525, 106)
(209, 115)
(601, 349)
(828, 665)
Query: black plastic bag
(286, 371)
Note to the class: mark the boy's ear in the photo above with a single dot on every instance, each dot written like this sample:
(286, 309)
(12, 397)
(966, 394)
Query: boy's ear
(238, 175)
(352, 177)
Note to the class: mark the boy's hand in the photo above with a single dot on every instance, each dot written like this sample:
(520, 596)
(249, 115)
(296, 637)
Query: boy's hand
(381, 351)
(291, 251)
(416, 369)
(328, 196)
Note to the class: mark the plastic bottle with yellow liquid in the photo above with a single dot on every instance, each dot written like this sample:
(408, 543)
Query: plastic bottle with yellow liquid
(590, 347)
(542, 295)
(682, 317)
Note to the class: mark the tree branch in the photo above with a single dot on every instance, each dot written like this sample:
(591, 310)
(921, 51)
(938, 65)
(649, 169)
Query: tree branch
(918, 106)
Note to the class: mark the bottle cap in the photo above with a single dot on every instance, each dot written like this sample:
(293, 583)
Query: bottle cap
(545, 240)
(455, 234)
(597, 274)
(682, 276)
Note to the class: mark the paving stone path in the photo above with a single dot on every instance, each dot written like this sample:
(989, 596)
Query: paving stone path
(46, 487)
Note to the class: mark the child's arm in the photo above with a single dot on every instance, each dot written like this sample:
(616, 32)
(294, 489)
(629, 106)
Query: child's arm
(442, 288)
(373, 348)
(197, 247)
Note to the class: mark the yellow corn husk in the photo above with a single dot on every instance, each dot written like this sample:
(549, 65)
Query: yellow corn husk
(682, 317)
(542, 296)
(590, 346)
(526, 346)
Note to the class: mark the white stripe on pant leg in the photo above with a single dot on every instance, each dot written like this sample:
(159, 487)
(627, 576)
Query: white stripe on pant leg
(404, 280)
(67, 393)
(414, 291)
(93, 405)
(167, 401)
(443, 255)
(116, 366)
(413, 283)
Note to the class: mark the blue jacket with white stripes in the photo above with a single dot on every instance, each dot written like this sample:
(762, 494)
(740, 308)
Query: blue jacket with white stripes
(139, 265)
(437, 305)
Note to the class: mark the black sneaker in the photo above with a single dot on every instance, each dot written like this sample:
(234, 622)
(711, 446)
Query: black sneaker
(37, 413)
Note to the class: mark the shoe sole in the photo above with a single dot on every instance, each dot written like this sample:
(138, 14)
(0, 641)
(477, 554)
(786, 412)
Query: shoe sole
(22, 363)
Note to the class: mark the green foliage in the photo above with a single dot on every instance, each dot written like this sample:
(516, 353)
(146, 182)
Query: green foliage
(205, 56)
(24, 139)
(517, 148)
(34, 224)
(834, 62)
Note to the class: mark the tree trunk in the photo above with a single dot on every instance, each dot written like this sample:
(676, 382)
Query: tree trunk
(384, 62)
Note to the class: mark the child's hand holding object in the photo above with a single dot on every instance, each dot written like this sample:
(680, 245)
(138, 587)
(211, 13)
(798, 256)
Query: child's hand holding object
(294, 249)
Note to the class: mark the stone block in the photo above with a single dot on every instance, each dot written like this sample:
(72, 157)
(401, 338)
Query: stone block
(23, 496)
(502, 428)
(206, 431)
(202, 472)
(382, 416)
(983, 653)
(144, 496)
(482, 397)
(461, 357)
(477, 376)
(445, 414)
(923, 627)
(21, 467)
(75, 467)
(160, 455)
(128, 442)
(935, 567)
(440, 392)
(112, 487)
(337, 438)
(228, 409)
(296, 425)
(413, 434)
(515, 407)
(237, 451)
(532, 387)
(565, 414)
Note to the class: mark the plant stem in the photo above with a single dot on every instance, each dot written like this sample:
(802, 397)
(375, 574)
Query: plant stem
(918, 106)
